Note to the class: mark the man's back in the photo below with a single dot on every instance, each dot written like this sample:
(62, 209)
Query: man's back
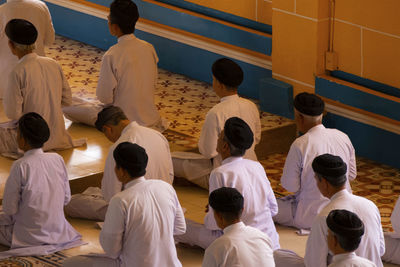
(350, 260)
(35, 194)
(249, 178)
(34, 11)
(140, 224)
(372, 245)
(160, 163)
(240, 245)
(128, 78)
(298, 176)
(37, 84)
(230, 106)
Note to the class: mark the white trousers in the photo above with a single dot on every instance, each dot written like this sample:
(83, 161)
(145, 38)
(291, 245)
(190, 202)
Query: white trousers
(198, 235)
(286, 211)
(88, 205)
(392, 249)
(91, 261)
(287, 258)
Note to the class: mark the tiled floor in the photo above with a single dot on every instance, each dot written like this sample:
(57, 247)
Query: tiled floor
(184, 102)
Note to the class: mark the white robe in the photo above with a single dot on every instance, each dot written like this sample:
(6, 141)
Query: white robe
(350, 260)
(37, 13)
(249, 178)
(127, 79)
(33, 205)
(37, 84)
(198, 170)
(298, 175)
(139, 227)
(92, 204)
(392, 239)
(372, 245)
(240, 245)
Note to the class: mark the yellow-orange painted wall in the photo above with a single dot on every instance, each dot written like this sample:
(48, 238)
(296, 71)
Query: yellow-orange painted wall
(257, 10)
(367, 39)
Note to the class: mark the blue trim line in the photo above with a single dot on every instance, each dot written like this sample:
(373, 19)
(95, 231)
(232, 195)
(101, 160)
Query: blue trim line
(356, 98)
(201, 26)
(220, 15)
(380, 87)
(370, 142)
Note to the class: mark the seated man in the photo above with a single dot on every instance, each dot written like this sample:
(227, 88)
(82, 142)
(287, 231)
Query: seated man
(36, 84)
(345, 230)
(32, 221)
(248, 177)
(300, 209)
(141, 220)
(330, 175)
(227, 76)
(392, 239)
(128, 73)
(240, 245)
(92, 204)
(38, 14)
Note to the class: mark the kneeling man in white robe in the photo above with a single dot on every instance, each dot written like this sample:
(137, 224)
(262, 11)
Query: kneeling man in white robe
(32, 220)
(240, 245)
(345, 231)
(300, 209)
(140, 221)
(330, 175)
(92, 204)
(36, 84)
(248, 177)
(227, 76)
(392, 239)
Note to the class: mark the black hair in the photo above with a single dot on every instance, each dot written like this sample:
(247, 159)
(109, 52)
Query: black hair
(125, 14)
(110, 115)
(228, 72)
(34, 129)
(132, 158)
(235, 151)
(228, 202)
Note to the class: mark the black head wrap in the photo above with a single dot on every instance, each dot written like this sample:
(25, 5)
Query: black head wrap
(131, 157)
(309, 104)
(108, 114)
(34, 129)
(330, 167)
(238, 132)
(227, 72)
(226, 199)
(21, 31)
(345, 224)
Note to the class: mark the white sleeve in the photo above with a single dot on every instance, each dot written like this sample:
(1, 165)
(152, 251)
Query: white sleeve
(216, 181)
(352, 173)
(107, 81)
(395, 217)
(209, 136)
(66, 99)
(273, 205)
(67, 188)
(179, 222)
(12, 98)
(110, 185)
(209, 260)
(12, 191)
(113, 229)
(257, 134)
(49, 31)
(317, 247)
(291, 176)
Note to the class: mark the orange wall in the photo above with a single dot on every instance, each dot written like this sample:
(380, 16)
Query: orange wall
(367, 39)
(257, 10)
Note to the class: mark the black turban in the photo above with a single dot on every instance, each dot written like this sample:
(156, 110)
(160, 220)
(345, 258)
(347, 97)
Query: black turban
(131, 157)
(108, 113)
(226, 199)
(34, 129)
(21, 31)
(227, 72)
(309, 104)
(345, 224)
(331, 168)
(238, 132)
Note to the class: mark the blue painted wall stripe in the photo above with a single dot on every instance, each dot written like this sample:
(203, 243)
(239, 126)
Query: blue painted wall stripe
(221, 15)
(379, 87)
(174, 56)
(356, 98)
(370, 142)
(201, 26)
